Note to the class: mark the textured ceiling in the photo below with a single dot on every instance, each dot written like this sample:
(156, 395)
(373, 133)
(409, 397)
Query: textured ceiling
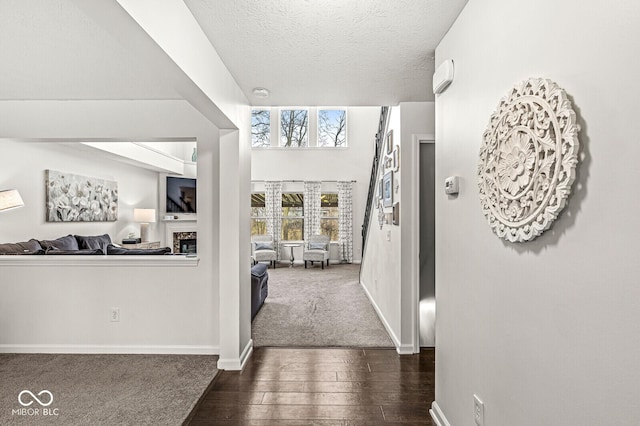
(329, 52)
(51, 50)
(306, 52)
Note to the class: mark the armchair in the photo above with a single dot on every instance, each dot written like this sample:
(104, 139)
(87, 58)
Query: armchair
(316, 250)
(263, 249)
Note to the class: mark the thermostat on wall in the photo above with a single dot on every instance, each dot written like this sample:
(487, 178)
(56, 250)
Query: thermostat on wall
(451, 185)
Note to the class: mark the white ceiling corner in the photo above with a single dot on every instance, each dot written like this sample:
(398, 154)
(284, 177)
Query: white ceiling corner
(51, 50)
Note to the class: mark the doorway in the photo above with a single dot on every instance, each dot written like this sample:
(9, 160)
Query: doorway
(427, 257)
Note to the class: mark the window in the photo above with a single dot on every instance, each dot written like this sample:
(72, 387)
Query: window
(260, 128)
(294, 128)
(258, 214)
(329, 216)
(332, 127)
(292, 216)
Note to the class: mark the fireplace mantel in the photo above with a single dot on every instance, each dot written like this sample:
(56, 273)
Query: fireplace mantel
(173, 227)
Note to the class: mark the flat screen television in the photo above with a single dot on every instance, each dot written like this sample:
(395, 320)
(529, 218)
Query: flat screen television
(181, 195)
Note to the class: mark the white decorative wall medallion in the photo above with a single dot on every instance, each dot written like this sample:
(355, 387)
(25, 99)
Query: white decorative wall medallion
(528, 160)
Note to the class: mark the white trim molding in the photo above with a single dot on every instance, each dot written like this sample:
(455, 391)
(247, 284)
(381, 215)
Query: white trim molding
(108, 261)
(237, 363)
(416, 139)
(393, 336)
(111, 349)
(437, 415)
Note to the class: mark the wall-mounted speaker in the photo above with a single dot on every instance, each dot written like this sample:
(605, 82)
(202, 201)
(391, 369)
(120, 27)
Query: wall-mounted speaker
(443, 76)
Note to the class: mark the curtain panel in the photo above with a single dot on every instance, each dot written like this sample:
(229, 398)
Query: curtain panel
(273, 207)
(345, 220)
(312, 211)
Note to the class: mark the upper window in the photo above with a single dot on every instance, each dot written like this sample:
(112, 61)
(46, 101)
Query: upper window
(294, 128)
(292, 216)
(329, 216)
(332, 127)
(258, 214)
(260, 128)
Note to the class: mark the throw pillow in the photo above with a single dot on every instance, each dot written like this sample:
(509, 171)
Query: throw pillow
(63, 243)
(85, 252)
(317, 246)
(94, 242)
(29, 247)
(264, 246)
(112, 250)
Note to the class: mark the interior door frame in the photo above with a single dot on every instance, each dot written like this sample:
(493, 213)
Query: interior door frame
(417, 140)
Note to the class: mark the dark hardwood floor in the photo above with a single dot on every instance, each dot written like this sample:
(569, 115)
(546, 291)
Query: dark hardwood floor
(349, 387)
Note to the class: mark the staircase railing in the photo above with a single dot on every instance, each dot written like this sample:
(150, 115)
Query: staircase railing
(373, 182)
(181, 206)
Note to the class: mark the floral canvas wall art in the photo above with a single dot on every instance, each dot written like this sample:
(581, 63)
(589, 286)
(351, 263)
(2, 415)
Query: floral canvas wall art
(75, 198)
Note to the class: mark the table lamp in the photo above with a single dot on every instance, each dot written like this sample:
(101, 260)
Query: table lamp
(144, 217)
(10, 199)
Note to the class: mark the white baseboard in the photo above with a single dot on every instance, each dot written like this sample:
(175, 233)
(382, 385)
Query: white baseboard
(246, 354)
(405, 349)
(237, 363)
(438, 416)
(393, 336)
(110, 349)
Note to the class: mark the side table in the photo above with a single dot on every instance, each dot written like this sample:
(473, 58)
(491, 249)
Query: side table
(291, 246)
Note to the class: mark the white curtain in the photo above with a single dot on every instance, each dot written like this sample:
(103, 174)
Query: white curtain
(312, 212)
(273, 207)
(345, 220)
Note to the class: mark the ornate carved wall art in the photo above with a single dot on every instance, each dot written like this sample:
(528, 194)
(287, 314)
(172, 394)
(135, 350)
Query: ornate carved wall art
(528, 160)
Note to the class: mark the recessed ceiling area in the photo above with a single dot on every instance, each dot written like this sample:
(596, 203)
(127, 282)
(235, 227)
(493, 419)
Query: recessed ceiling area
(330, 52)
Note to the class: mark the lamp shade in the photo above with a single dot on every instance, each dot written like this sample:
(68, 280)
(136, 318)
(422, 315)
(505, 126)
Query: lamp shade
(144, 215)
(10, 199)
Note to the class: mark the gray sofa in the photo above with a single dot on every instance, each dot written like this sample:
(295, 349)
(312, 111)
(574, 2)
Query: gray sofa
(75, 245)
(259, 287)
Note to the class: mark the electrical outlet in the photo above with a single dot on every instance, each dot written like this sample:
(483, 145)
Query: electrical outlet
(478, 410)
(114, 314)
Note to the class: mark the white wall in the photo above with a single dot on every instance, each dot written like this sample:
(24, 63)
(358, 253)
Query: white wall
(351, 163)
(389, 269)
(546, 332)
(23, 167)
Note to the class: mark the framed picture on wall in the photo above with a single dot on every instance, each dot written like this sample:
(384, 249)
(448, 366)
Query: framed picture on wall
(396, 213)
(387, 189)
(380, 189)
(396, 159)
(389, 142)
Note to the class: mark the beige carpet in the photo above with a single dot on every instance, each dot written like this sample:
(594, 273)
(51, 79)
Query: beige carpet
(102, 389)
(315, 307)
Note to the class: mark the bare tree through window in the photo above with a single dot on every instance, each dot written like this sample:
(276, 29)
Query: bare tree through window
(332, 127)
(260, 128)
(294, 128)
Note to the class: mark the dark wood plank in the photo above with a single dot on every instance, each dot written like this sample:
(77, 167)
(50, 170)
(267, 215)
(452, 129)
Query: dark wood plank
(241, 385)
(344, 398)
(406, 412)
(388, 376)
(290, 412)
(279, 422)
(230, 397)
(363, 386)
(302, 367)
(286, 376)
